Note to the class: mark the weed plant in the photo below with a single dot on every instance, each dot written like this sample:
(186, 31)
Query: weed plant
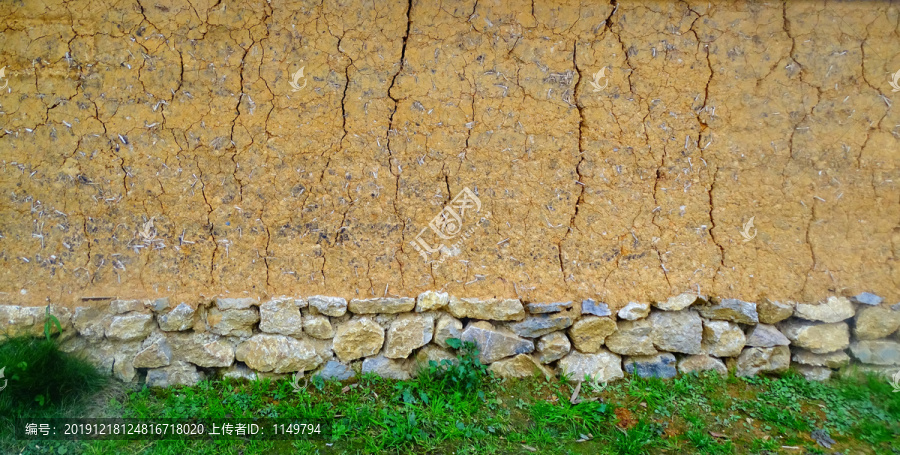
(42, 380)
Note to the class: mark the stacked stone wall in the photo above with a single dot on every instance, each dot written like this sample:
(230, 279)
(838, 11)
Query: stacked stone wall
(165, 342)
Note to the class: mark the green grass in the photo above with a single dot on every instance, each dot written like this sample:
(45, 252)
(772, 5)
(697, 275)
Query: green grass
(43, 381)
(461, 408)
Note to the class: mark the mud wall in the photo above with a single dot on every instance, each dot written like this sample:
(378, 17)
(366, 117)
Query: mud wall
(616, 151)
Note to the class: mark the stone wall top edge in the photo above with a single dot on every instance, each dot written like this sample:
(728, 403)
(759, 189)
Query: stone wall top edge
(159, 302)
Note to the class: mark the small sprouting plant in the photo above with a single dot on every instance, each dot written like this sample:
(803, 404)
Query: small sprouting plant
(468, 372)
(49, 321)
(319, 382)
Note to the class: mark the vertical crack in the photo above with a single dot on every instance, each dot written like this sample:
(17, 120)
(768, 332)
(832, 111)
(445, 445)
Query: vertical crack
(322, 271)
(344, 94)
(787, 30)
(581, 121)
(399, 70)
(447, 183)
(237, 114)
(654, 215)
(705, 49)
(812, 253)
(862, 49)
(625, 50)
(703, 127)
(268, 242)
(87, 239)
(209, 224)
(391, 130)
(712, 221)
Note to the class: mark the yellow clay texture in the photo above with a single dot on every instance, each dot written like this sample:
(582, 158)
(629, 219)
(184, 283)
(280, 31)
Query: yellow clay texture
(232, 183)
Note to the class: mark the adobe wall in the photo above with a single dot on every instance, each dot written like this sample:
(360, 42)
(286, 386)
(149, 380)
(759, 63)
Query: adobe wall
(617, 152)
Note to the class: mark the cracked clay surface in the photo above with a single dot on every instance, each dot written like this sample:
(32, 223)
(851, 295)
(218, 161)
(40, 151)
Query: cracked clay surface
(157, 148)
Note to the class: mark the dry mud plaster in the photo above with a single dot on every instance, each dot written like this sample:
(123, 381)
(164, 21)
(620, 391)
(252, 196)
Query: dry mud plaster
(158, 148)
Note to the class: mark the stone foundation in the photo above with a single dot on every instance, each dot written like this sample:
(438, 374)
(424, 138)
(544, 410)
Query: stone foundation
(167, 343)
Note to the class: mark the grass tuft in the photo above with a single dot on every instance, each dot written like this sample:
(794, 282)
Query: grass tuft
(43, 381)
(41, 375)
